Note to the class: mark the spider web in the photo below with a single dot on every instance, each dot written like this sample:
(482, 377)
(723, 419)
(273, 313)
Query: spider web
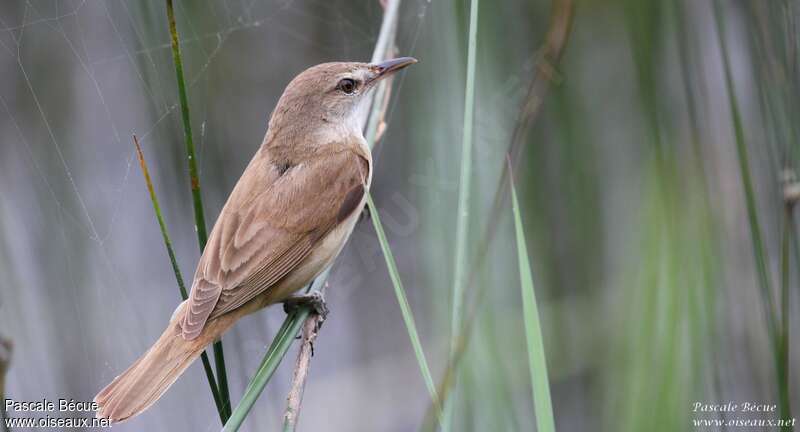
(241, 19)
(80, 76)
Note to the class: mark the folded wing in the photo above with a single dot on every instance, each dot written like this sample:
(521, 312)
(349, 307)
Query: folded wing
(273, 219)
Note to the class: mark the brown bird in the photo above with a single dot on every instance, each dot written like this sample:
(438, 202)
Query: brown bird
(286, 220)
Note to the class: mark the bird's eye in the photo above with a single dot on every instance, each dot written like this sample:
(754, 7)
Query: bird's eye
(347, 85)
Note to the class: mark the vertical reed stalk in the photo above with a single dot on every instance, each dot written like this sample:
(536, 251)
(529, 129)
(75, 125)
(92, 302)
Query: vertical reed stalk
(783, 352)
(212, 383)
(462, 213)
(759, 252)
(559, 30)
(197, 202)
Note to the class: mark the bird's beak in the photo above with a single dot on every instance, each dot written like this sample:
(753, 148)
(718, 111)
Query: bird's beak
(388, 67)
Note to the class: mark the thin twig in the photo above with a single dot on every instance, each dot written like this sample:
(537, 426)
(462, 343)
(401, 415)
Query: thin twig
(212, 383)
(277, 350)
(197, 201)
(294, 401)
(557, 36)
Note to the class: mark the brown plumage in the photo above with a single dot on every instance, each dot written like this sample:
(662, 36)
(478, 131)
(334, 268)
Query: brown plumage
(287, 218)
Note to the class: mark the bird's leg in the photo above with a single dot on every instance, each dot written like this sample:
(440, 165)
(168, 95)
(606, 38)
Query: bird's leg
(315, 300)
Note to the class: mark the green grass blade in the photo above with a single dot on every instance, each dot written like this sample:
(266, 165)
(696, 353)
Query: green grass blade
(783, 342)
(533, 329)
(402, 300)
(759, 250)
(161, 224)
(212, 382)
(462, 220)
(197, 201)
(370, 134)
(373, 122)
(275, 354)
(277, 351)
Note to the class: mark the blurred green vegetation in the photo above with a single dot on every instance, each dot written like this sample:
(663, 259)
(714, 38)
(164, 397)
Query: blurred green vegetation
(650, 287)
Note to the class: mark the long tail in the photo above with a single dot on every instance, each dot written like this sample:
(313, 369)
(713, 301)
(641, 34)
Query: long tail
(155, 371)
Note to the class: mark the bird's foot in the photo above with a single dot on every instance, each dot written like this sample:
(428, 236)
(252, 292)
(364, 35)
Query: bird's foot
(315, 300)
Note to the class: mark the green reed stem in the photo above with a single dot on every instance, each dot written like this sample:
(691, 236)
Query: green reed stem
(759, 252)
(275, 354)
(462, 213)
(783, 383)
(212, 383)
(197, 202)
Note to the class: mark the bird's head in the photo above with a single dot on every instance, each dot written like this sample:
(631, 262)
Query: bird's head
(330, 95)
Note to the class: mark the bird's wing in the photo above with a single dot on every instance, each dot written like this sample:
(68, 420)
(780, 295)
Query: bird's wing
(259, 239)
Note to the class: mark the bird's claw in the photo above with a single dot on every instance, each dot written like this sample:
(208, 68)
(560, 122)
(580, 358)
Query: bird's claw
(315, 300)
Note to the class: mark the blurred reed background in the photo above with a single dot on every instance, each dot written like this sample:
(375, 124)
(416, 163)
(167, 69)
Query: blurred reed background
(656, 186)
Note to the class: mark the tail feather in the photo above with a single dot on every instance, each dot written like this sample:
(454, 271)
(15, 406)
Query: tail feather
(158, 368)
(149, 377)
